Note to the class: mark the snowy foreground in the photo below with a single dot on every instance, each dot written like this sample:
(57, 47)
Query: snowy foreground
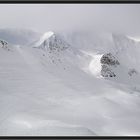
(55, 84)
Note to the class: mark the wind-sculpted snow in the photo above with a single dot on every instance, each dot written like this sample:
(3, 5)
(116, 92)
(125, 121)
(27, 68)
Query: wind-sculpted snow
(46, 36)
(55, 86)
(26, 125)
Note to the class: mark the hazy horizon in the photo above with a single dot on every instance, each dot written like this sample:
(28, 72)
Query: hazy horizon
(122, 18)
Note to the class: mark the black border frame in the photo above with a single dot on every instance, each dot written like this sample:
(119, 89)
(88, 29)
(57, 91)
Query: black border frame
(70, 2)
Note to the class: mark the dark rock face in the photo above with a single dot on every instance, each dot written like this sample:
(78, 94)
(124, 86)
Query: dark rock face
(108, 62)
(109, 59)
(55, 43)
(4, 45)
(107, 72)
(132, 72)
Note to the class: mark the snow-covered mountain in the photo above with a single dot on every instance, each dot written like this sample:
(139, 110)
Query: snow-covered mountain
(69, 84)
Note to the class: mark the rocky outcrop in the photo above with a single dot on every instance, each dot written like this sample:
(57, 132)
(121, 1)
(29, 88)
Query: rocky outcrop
(132, 72)
(54, 43)
(108, 63)
(109, 59)
(107, 71)
(4, 45)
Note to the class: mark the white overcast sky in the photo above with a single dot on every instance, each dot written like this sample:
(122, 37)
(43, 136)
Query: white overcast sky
(44, 17)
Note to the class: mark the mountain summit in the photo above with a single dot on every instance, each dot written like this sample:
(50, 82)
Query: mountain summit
(52, 42)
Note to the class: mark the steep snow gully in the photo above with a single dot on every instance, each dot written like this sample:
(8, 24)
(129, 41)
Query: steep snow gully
(69, 84)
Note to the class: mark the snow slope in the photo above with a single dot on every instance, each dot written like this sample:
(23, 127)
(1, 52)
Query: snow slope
(59, 90)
